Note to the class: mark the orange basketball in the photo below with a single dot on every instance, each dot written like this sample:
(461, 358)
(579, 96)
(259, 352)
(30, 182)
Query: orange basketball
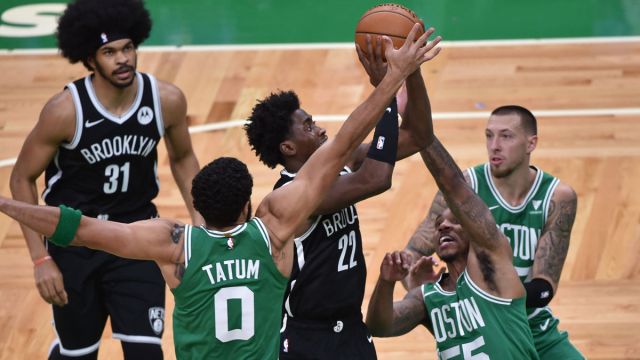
(392, 20)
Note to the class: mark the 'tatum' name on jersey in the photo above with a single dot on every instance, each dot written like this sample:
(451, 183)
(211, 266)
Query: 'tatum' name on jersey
(117, 146)
(232, 269)
(340, 220)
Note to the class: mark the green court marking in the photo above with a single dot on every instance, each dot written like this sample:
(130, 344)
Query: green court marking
(204, 22)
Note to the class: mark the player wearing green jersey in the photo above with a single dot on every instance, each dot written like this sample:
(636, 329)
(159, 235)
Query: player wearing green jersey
(228, 276)
(533, 209)
(477, 309)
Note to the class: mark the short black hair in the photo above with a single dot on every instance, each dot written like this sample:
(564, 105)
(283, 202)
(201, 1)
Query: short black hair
(527, 119)
(221, 190)
(84, 21)
(269, 125)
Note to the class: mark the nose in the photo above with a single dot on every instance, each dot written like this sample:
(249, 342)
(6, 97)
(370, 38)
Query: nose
(321, 131)
(444, 225)
(493, 144)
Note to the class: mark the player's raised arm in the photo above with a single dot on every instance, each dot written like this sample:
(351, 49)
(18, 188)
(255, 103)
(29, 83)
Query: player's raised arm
(293, 203)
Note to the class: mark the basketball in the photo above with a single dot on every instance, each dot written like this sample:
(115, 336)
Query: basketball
(392, 20)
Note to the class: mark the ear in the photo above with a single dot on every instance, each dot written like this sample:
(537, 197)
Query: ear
(532, 142)
(92, 62)
(288, 148)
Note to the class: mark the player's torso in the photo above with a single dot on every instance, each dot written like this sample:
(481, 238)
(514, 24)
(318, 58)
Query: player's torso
(228, 304)
(522, 224)
(470, 323)
(109, 169)
(329, 272)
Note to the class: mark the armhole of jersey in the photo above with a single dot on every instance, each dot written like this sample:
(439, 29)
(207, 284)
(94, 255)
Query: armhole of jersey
(78, 106)
(483, 294)
(473, 179)
(264, 232)
(157, 106)
(547, 198)
(187, 244)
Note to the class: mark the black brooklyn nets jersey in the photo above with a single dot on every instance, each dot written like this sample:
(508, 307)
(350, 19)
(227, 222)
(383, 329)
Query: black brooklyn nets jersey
(329, 273)
(109, 169)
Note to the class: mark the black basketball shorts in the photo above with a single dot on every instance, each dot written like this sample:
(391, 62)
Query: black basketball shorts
(330, 340)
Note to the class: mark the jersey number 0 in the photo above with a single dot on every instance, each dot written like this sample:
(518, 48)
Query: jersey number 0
(221, 300)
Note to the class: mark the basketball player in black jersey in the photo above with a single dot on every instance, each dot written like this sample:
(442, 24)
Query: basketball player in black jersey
(322, 305)
(96, 142)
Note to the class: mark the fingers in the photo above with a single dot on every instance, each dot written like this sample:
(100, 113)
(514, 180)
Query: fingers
(412, 34)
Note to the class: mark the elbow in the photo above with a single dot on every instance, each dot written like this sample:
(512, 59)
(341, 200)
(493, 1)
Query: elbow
(380, 179)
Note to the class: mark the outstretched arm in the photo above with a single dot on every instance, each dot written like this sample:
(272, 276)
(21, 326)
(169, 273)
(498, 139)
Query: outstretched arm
(287, 207)
(160, 240)
(489, 260)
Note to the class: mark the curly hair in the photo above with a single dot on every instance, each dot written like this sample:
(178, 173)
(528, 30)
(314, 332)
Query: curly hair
(84, 21)
(269, 125)
(527, 119)
(221, 190)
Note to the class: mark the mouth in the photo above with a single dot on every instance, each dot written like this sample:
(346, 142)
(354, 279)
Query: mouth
(324, 140)
(496, 160)
(445, 241)
(123, 73)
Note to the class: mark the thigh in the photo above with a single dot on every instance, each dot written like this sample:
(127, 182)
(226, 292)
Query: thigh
(80, 323)
(134, 294)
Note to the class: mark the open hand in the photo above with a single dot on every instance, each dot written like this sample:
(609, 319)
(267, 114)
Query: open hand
(412, 53)
(395, 266)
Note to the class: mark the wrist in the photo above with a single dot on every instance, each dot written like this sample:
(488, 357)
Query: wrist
(41, 260)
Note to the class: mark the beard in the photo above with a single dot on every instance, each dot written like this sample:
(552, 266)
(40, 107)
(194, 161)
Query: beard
(109, 77)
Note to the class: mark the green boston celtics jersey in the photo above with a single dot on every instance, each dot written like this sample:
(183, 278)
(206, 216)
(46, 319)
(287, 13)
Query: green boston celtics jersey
(228, 304)
(522, 224)
(473, 324)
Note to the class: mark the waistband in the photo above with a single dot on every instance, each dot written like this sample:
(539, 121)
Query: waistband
(337, 324)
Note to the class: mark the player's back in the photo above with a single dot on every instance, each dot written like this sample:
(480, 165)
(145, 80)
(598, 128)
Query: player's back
(228, 304)
(469, 323)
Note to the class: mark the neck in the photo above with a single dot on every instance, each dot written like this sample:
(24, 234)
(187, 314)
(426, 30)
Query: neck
(293, 165)
(116, 100)
(515, 186)
(455, 268)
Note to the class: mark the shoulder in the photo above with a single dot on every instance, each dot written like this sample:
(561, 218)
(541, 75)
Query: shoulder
(173, 101)
(169, 92)
(58, 116)
(564, 194)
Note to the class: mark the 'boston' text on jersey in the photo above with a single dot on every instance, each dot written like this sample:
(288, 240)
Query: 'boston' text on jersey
(453, 319)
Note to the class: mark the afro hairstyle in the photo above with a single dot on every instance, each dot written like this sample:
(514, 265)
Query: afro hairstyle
(82, 23)
(221, 190)
(527, 119)
(269, 125)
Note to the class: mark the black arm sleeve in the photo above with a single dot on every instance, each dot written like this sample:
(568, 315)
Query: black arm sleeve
(539, 293)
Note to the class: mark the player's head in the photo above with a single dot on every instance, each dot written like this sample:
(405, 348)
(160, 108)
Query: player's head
(452, 240)
(278, 129)
(94, 31)
(511, 134)
(221, 191)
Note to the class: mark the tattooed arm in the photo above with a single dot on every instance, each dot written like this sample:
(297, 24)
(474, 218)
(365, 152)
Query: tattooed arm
(554, 241)
(160, 240)
(489, 261)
